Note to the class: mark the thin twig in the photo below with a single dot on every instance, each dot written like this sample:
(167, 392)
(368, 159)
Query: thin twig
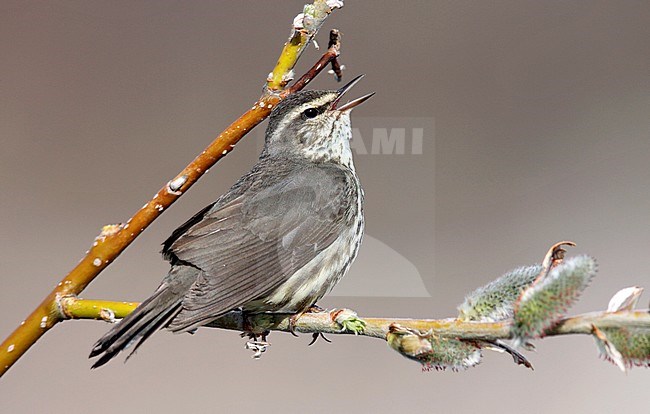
(335, 41)
(323, 322)
(331, 56)
(115, 238)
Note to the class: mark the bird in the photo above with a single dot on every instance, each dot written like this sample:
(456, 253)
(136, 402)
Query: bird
(276, 242)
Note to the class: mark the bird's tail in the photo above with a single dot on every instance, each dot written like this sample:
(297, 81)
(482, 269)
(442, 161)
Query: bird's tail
(149, 316)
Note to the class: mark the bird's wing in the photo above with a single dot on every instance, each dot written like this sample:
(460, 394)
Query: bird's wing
(259, 239)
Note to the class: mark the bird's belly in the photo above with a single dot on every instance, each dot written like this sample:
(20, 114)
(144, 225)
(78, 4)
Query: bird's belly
(316, 278)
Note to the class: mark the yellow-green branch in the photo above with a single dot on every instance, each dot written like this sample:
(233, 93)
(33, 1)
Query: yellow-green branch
(305, 26)
(326, 322)
(115, 238)
(435, 343)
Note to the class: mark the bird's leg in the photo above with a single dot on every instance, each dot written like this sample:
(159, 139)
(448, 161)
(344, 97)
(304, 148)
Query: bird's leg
(247, 326)
(292, 323)
(251, 330)
(314, 308)
(257, 346)
(294, 318)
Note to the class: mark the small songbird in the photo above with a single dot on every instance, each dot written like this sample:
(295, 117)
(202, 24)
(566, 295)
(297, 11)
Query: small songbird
(277, 241)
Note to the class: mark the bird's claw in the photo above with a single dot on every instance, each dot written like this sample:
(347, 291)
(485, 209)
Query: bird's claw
(292, 323)
(315, 336)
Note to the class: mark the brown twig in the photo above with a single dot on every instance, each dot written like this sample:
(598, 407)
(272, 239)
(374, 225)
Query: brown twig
(335, 41)
(115, 238)
(330, 56)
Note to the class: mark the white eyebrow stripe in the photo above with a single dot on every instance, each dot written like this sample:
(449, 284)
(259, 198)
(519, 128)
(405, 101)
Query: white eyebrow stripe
(296, 113)
(316, 102)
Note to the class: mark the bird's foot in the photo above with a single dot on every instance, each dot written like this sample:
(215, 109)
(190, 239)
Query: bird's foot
(252, 336)
(292, 323)
(294, 318)
(257, 341)
(253, 326)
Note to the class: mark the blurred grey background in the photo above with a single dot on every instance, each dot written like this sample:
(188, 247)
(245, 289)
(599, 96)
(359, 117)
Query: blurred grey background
(540, 133)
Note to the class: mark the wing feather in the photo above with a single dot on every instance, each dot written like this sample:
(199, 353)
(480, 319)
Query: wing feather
(253, 241)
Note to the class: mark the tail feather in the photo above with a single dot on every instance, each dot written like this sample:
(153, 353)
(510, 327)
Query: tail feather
(159, 323)
(147, 318)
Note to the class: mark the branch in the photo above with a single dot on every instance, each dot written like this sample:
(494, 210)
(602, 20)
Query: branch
(305, 27)
(334, 321)
(524, 304)
(113, 239)
(472, 335)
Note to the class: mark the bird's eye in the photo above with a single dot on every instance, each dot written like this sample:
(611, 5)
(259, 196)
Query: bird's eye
(310, 113)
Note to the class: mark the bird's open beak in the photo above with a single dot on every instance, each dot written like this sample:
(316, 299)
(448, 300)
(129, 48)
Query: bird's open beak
(353, 103)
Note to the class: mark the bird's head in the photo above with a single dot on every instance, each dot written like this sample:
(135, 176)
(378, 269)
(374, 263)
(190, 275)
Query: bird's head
(314, 125)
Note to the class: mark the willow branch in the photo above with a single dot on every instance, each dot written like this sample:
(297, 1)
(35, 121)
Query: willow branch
(115, 238)
(329, 322)
(305, 27)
